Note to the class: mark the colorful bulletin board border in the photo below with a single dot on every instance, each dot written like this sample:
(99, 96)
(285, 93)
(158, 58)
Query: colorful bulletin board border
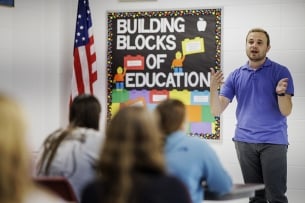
(154, 55)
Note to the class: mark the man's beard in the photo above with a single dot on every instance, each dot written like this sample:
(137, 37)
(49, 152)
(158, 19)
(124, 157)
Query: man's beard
(256, 57)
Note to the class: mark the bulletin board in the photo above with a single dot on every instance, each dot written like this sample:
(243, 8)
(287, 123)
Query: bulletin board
(154, 55)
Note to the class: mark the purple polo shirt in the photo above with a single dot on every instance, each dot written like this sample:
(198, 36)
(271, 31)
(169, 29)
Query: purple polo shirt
(259, 119)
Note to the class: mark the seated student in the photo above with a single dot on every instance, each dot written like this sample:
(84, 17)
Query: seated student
(191, 159)
(16, 185)
(72, 152)
(131, 166)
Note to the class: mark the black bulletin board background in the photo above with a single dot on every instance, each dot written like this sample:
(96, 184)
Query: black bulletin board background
(197, 63)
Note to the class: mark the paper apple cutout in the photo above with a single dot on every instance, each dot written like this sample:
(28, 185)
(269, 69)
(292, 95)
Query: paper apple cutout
(201, 25)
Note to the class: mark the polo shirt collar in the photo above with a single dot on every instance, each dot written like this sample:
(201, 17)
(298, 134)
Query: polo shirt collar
(267, 63)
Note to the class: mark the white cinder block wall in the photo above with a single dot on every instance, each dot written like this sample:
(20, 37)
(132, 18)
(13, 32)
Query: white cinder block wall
(36, 62)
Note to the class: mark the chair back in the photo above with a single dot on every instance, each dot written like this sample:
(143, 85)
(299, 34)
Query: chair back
(58, 185)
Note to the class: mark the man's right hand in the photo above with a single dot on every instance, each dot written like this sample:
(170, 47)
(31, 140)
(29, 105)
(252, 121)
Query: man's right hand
(216, 80)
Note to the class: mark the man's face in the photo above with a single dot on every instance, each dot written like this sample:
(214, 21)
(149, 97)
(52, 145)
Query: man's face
(256, 46)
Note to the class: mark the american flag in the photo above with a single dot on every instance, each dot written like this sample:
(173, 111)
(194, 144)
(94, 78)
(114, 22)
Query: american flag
(84, 70)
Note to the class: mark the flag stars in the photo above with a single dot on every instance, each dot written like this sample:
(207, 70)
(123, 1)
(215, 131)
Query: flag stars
(83, 23)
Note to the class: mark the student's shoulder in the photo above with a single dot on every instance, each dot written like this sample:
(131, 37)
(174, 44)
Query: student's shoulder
(93, 133)
(56, 133)
(175, 189)
(172, 180)
(197, 146)
(93, 191)
(86, 134)
(195, 140)
(158, 181)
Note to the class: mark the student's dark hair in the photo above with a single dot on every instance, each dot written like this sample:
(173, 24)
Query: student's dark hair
(84, 112)
(259, 30)
(172, 113)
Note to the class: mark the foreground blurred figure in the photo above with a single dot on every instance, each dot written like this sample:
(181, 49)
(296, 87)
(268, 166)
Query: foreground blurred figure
(16, 185)
(72, 152)
(131, 166)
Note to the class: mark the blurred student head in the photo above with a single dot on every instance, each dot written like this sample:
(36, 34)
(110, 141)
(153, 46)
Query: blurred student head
(132, 147)
(14, 153)
(85, 112)
(172, 115)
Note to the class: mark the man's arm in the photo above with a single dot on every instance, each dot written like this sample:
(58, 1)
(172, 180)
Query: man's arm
(284, 102)
(217, 103)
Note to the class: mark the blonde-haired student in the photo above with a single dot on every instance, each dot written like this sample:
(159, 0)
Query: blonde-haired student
(16, 184)
(131, 166)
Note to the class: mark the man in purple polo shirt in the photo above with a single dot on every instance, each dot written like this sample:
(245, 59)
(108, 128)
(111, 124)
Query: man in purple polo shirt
(263, 90)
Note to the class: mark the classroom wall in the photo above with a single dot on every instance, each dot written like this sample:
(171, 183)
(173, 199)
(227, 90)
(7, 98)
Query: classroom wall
(36, 62)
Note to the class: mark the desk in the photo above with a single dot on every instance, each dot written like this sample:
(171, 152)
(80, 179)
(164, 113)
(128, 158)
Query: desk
(238, 191)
